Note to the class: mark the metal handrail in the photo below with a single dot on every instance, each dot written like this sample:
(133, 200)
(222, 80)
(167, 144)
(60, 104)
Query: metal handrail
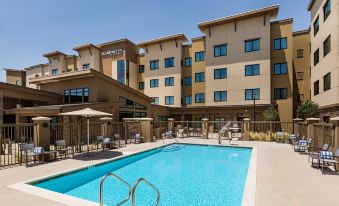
(121, 180)
(147, 183)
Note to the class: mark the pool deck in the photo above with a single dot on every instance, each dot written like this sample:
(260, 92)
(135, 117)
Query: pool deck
(284, 178)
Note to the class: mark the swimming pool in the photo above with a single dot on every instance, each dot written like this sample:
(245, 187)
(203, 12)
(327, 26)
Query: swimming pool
(185, 175)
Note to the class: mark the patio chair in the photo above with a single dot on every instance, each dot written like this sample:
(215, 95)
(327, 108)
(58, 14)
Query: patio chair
(138, 138)
(30, 150)
(296, 142)
(315, 155)
(104, 141)
(304, 145)
(181, 133)
(118, 139)
(328, 159)
(61, 147)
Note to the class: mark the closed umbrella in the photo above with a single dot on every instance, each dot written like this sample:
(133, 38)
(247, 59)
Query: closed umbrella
(88, 113)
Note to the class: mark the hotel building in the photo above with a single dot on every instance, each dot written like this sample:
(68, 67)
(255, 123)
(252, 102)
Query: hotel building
(238, 61)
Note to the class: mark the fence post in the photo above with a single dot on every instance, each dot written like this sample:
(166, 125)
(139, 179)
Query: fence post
(42, 136)
(146, 129)
(247, 129)
(106, 127)
(296, 125)
(205, 128)
(170, 123)
(335, 121)
(310, 129)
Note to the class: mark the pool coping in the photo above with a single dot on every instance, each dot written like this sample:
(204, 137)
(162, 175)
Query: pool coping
(25, 186)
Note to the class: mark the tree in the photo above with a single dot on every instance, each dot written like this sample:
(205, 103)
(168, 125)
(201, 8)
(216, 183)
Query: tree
(271, 114)
(308, 109)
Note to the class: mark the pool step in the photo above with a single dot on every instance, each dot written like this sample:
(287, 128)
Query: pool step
(131, 191)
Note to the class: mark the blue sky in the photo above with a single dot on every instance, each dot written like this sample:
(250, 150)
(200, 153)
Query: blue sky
(29, 28)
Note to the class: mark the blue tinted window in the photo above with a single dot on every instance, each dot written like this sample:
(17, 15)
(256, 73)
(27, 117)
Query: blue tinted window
(169, 62)
(169, 100)
(154, 64)
(121, 71)
(327, 9)
(141, 68)
(169, 81)
(250, 93)
(199, 56)
(85, 66)
(55, 71)
(220, 96)
(280, 93)
(316, 26)
(252, 70)
(154, 83)
(220, 73)
(188, 62)
(220, 50)
(188, 81)
(155, 100)
(280, 68)
(188, 100)
(280, 43)
(200, 98)
(252, 45)
(199, 77)
(141, 85)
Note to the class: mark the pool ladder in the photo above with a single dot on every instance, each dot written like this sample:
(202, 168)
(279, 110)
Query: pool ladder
(131, 191)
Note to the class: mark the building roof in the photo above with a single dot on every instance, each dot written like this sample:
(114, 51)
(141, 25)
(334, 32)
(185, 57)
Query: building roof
(54, 53)
(163, 39)
(302, 32)
(115, 42)
(198, 38)
(85, 46)
(289, 20)
(35, 66)
(310, 4)
(4, 85)
(14, 70)
(272, 10)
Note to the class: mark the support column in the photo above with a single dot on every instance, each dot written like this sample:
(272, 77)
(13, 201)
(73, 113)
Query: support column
(335, 121)
(310, 130)
(146, 129)
(170, 125)
(205, 128)
(246, 129)
(42, 136)
(106, 127)
(296, 125)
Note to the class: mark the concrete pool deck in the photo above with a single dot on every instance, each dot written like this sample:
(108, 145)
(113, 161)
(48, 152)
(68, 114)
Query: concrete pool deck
(283, 176)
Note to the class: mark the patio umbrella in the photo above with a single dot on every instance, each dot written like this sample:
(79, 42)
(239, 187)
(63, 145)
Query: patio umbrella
(88, 113)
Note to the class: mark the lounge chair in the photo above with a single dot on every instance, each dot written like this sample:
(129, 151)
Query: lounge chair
(118, 139)
(181, 133)
(304, 145)
(315, 155)
(328, 159)
(61, 147)
(30, 150)
(138, 138)
(104, 141)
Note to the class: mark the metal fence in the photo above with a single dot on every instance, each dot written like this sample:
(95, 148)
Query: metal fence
(11, 136)
(265, 127)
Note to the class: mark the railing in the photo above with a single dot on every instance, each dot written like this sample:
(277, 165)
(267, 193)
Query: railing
(11, 136)
(150, 185)
(119, 179)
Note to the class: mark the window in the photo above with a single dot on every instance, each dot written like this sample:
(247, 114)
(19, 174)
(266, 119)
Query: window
(327, 45)
(169, 62)
(199, 77)
(316, 57)
(280, 43)
(199, 98)
(188, 62)
(18, 82)
(140, 114)
(169, 100)
(155, 100)
(252, 45)
(220, 73)
(280, 68)
(316, 87)
(54, 71)
(251, 94)
(316, 26)
(188, 100)
(169, 81)
(140, 106)
(220, 96)
(327, 9)
(199, 56)
(300, 76)
(141, 85)
(327, 82)
(280, 93)
(188, 81)
(300, 53)
(121, 71)
(154, 83)
(85, 66)
(141, 68)
(76, 95)
(154, 64)
(252, 70)
(126, 103)
(220, 50)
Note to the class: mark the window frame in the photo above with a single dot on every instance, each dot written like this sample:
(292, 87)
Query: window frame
(316, 25)
(189, 60)
(327, 85)
(219, 94)
(171, 100)
(327, 42)
(198, 74)
(327, 5)
(169, 62)
(141, 69)
(252, 69)
(199, 53)
(280, 40)
(278, 93)
(252, 49)
(316, 90)
(199, 94)
(154, 63)
(220, 73)
(171, 81)
(55, 71)
(314, 57)
(302, 53)
(280, 68)
(141, 85)
(190, 81)
(153, 100)
(257, 97)
(154, 80)
(86, 66)
(220, 46)
(190, 98)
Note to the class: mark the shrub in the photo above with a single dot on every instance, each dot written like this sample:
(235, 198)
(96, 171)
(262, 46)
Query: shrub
(271, 114)
(308, 109)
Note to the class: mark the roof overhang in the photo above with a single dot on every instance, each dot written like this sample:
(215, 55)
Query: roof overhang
(85, 46)
(35, 66)
(115, 42)
(54, 53)
(180, 36)
(310, 5)
(271, 10)
(13, 70)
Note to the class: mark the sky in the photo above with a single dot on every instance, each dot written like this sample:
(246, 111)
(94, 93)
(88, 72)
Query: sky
(30, 28)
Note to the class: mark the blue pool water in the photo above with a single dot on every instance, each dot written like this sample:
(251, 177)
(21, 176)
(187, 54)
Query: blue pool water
(184, 174)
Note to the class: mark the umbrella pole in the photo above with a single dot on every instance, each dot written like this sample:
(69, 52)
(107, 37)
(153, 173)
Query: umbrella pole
(87, 136)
